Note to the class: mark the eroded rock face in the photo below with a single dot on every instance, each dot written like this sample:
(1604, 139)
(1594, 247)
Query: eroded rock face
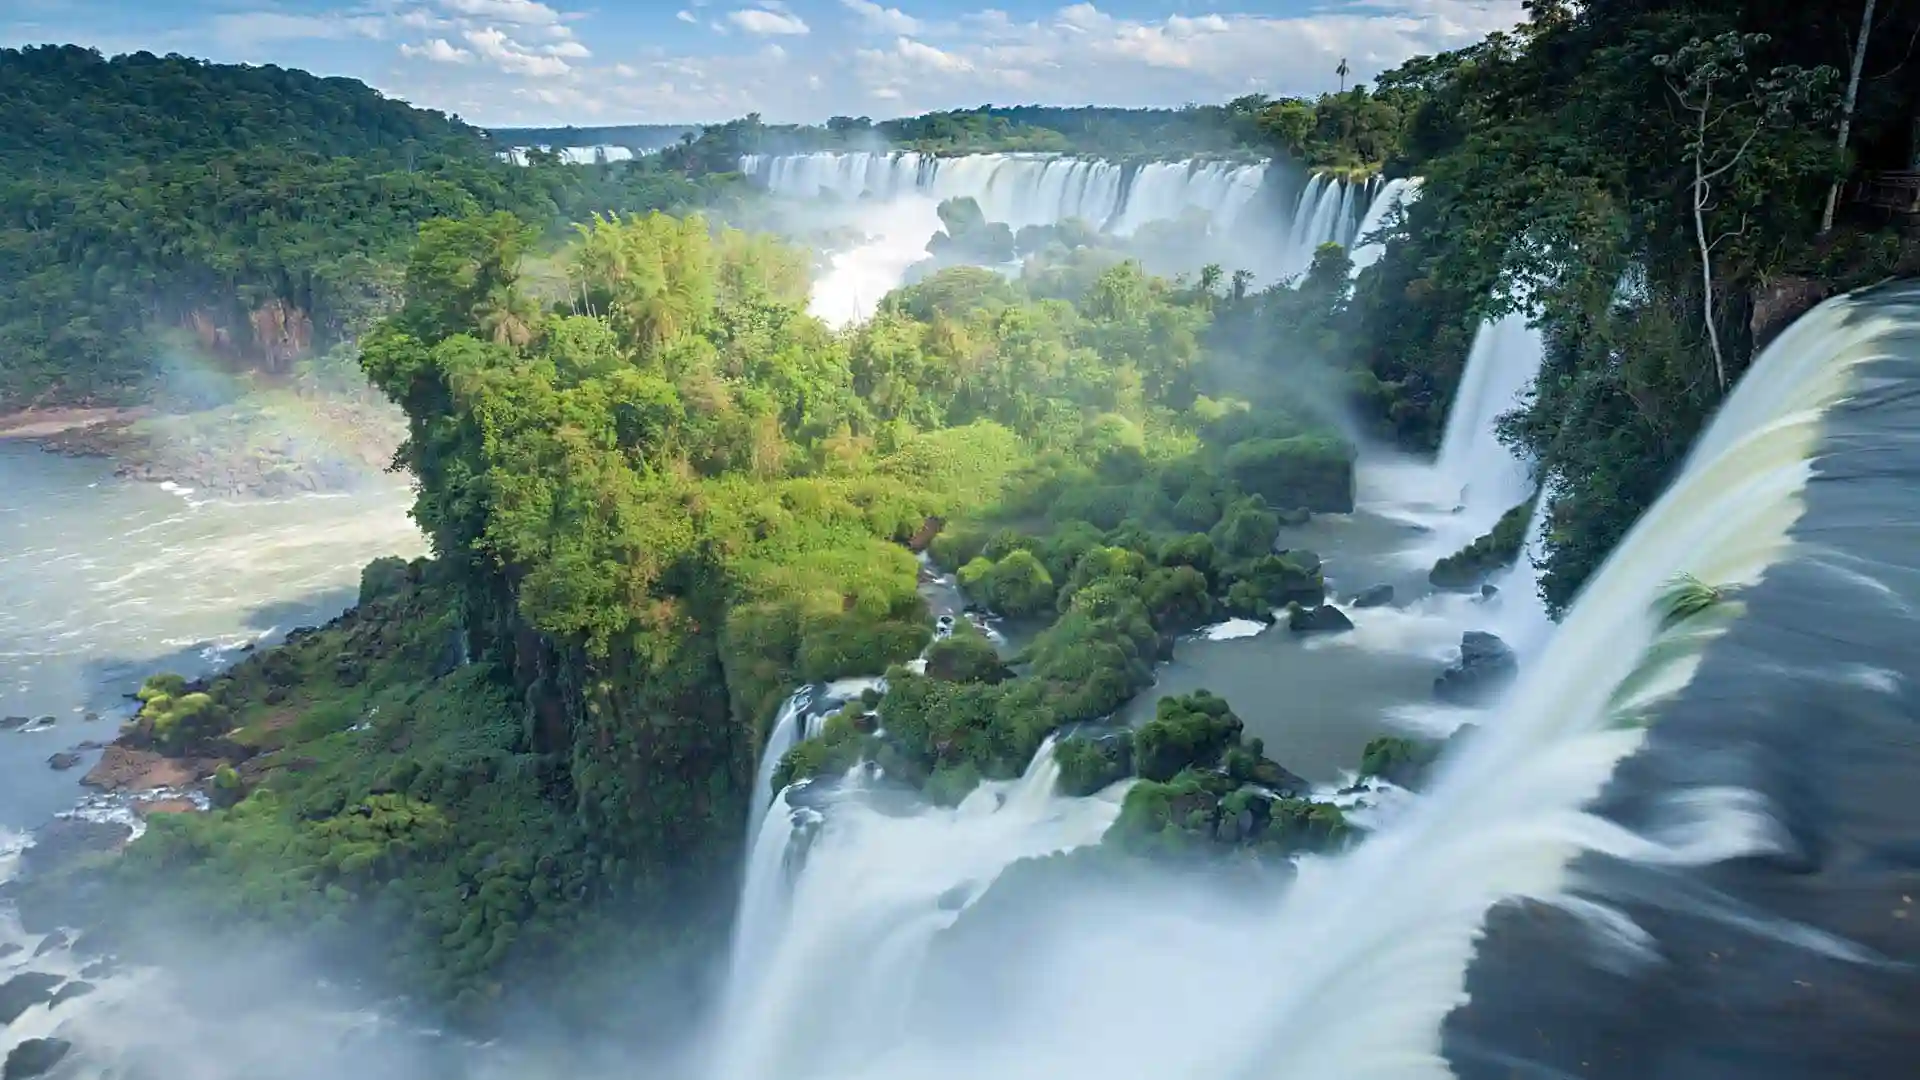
(1486, 667)
(123, 768)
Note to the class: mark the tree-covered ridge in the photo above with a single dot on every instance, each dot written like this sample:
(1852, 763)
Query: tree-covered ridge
(1662, 178)
(252, 217)
(661, 499)
(65, 110)
(1357, 130)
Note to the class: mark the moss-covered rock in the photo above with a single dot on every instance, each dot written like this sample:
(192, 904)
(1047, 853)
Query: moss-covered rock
(965, 656)
(1191, 731)
(1091, 763)
(1321, 619)
(1308, 471)
(1470, 567)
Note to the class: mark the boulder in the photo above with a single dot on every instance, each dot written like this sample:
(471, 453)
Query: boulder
(75, 989)
(9, 948)
(1378, 596)
(1325, 619)
(23, 992)
(35, 1057)
(1294, 518)
(13, 723)
(63, 761)
(53, 942)
(1486, 667)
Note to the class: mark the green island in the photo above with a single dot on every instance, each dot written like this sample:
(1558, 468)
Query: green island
(660, 496)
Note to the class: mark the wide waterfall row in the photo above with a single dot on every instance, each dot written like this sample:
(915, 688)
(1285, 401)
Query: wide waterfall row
(1043, 189)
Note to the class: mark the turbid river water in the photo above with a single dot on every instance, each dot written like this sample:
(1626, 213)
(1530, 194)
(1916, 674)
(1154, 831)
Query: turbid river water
(105, 581)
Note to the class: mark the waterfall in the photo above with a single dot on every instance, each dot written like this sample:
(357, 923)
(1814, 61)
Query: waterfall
(1351, 969)
(1252, 225)
(574, 155)
(1395, 195)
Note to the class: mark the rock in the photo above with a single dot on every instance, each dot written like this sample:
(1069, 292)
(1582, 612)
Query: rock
(1306, 560)
(1486, 666)
(52, 943)
(1489, 591)
(64, 840)
(1378, 596)
(38, 723)
(63, 761)
(34, 1058)
(99, 969)
(23, 992)
(90, 718)
(123, 768)
(151, 807)
(1325, 619)
(1294, 518)
(13, 723)
(75, 989)
(9, 949)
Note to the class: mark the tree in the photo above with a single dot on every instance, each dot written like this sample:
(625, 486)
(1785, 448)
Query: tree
(1846, 110)
(1726, 107)
(1343, 71)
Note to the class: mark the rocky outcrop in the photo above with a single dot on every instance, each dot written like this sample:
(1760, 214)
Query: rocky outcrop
(1325, 619)
(23, 992)
(63, 761)
(1780, 302)
(1378, 596)
(124, 768)
(35, 1057)
(1486, 667)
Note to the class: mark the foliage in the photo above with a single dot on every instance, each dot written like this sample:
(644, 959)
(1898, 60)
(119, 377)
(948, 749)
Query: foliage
(1487, 555)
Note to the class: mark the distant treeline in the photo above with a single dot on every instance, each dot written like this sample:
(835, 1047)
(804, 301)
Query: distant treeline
(633, 136)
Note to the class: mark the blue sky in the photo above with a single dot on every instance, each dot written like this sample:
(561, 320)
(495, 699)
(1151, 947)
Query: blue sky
(614, 61)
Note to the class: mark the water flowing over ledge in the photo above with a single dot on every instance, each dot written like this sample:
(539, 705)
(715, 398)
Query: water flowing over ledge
(1796, 508)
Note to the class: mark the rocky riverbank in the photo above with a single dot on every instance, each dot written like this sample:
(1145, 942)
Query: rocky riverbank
(265, 444)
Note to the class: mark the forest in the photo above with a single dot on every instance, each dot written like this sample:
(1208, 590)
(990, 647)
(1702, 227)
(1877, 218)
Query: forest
(157, 205)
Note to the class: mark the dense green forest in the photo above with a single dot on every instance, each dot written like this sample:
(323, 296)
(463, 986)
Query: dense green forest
(1664, 186)
(256, 216)
(659, 497)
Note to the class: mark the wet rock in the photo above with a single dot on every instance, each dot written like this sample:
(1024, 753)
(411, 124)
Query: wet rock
(35, 1057)
(76, 989)
(91, 718)
(1294, 518)
(23, 992)
(14, 723)
(1325, 619)
(53, 942)
(1309, 561)
(38, 723)
(9, 949)
(1486, 667)
(1489, 591)
(63, 761)
(1378, 596)
(65, 840)
(955, 898)
(99, 969)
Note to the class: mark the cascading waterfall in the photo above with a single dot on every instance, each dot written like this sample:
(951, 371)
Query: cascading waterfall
(575, 155)
(1351, 969)
(1255, 222)
(1394, 196)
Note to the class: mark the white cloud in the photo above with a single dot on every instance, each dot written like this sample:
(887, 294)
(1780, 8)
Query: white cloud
(685, 16)
(438, 50)
(886, 20)
(767, 22)
(519, 12)
(924, 55)
(572, 50)
(512, 57)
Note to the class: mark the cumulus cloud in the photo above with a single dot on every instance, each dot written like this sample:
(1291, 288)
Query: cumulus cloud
(767, 22)
(883, 19)
(251, 29)
(438, 50)
(518, 12)
(512, 57)
(685, 16)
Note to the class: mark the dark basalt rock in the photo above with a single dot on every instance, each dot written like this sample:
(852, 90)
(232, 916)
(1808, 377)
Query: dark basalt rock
(63, 761)
(75, 989)
(1378, 596)
(35, 1057)
(1325, 619)
(1486, 667)
(24, 991)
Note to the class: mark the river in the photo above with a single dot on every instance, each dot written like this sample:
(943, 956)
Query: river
(105, 581)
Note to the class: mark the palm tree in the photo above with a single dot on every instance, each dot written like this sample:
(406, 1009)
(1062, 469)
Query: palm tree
(1343, 71)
